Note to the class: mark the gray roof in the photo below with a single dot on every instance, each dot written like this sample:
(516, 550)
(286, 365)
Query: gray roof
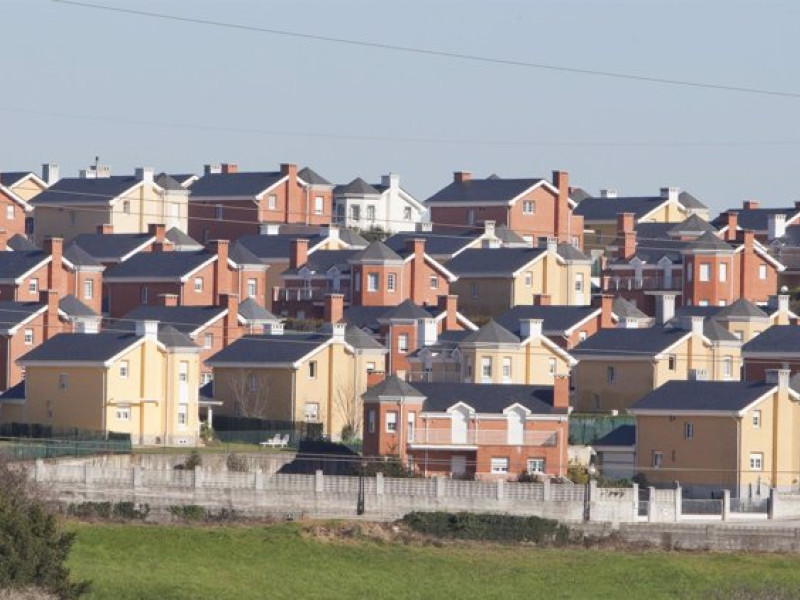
(239, 254)
(109, 247)
(269, 349)
(78, 190)
(392, 387)
(570, 252)
(436, 244)
(180, 239)
(82, 347)
(357, 187)
(253, 311)
(361, 340)
(578, 195)
(75, 308)
(365, 316)
(486, 398)
(206, 392)
(20, 242)
(778, 338)
(17, 263)
(15, 392)
(275, 246)
(351, 237)
(754, 219)
(741, 308)
(173, 338)
(376, 251)
(625, 309)
(690, 201)
(478, 191)
(624, 435)
(723, 396)
(404, 311)
(709, 241)
(233, 184)
(13, 313)
(716, 332)
(491, 333)
(146, 265)
(508, 236)
(607, 209)
(79, 257)
(168, 183)
(322, 260)
(555, 319)
(10, 178)
(497, 261)
(692, 225)
(628, 342)
(183, 318)
(312, 177)
(696, 310)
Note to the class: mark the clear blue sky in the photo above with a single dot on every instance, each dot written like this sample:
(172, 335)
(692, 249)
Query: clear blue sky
(210, 87)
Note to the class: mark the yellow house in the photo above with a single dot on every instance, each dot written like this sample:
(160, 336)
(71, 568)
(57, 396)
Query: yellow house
(710, 435)
(616, 367)
(143, 383)
(128, 203)
(298, 377)
(493, 280)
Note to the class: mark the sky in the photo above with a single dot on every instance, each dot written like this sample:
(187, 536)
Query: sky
(139, 91)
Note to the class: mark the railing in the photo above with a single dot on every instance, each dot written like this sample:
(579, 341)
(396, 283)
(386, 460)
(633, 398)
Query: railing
(301, 294)
(434, 376)
(701, 507)
(640, 283)
(750, 505)
(446, 437)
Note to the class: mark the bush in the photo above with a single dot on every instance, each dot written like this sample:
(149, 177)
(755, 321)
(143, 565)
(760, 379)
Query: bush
(107, 510)
(188, 512)
(193, 461)
(236, 463)
(33, 547)
(488, 527)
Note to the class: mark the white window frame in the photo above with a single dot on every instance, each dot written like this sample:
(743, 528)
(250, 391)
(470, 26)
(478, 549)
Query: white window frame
(391, 421)
(499, 465)
(88, 289)
(528, 279)
(373, 282)
(198, 285)
(407, 214)
(370, 212)
(486, 368)
(506, 369)
(727, 367)
(122, 413)
(319, 205)
(252, 288)
(28, 337)
(657, 459)
(208, 341)
(391, 282)
(33, 285)
(311, 412)
(582, 335)
(183, 415)
(312, 369)
(762, 272)
(756, 461)
(723, 272)
(756, 419)
(536, 465)
(10, 212)
(124, 369)
(126, 207)
(704, 272)
(402, 343)
(272, 202)
(434, 281)
(672, 362)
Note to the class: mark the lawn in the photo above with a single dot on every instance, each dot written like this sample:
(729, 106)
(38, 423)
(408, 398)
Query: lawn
(279, 561)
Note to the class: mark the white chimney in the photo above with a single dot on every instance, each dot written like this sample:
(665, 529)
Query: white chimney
(338, 331)
(426, 226)
(275, 328)
(608, 193)
(530, 328)
(212, 169)
(392, 180)
(697, 325)
(147, 329)
(269, 229)
(779, 376)
(665, 308)
(776, 226)
(552, 245)
(86, 326)
(50, 173)
(628, 323)
(102, 171)
(331, 232)
(428, 332)
(144, 174)
(489, 227)
(670, 193)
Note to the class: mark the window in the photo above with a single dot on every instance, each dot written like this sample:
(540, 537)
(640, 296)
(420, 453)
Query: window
(252, 382)
(183, 414)
(312, 369)
(412, 420)
(123, 369)
(272, 201)
(370, 212)
(33, 285)
(208, 340)
(371, 421)
(688, 431)
(672, 362)
(536, 465)
(143, 294)
(218, 212)
(319, 205)
(702, 303)
(470, 217)
(123, 413)
(528, 207)
(9, 213)
(528, 279)
(434, 282)
(372, 282)
(407, 213)
(198, 284)
(252, 288)
(689, 272)
(762, 271)
(582, 336)
(727, 367)
(469, 370)
(756, 461)
(29, 337)
(475, 289)
(611, 374)
(370, 367)
(126, 207)
(723, 272)
(551, 366)
(756, 419)
(704, 274)
(183, 372)
(391, 421)
(658, 459)
(63, 381)
(506, 369)
(355, 213)
(499, 465)
(402, 343)
(88, 289)
(312, 412)
(486, 368)
(722, 303)
(391, 281)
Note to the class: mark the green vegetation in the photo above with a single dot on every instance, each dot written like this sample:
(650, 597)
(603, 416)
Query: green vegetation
(286, 561)
(488, 527)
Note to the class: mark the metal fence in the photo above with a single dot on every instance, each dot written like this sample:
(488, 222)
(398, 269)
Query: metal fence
(701, 507)
(750, 505)
(31, 449)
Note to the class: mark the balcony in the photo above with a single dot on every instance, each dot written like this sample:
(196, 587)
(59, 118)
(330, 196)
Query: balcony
(304, 294)
(446, 438)
(611, 283)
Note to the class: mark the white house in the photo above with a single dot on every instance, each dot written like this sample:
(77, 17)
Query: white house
(385, 205)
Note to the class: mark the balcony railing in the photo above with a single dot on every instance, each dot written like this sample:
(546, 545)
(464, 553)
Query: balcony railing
(640, 283)
(447, 437)
(303, 294)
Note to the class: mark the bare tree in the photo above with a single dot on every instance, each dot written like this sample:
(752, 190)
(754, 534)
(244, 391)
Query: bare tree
(349, 407)
(250, 393)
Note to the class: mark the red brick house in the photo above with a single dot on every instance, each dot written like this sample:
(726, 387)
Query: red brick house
(16, 188)
(533, 208)
(226, 203)
(485, 431)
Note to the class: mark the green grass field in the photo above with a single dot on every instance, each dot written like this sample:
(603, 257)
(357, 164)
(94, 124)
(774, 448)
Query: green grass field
(280, 561)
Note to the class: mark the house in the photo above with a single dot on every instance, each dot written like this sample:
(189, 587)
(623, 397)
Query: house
(227, 203)
(600, 213)
(534, 208)
(768, 224)
(713, 435)
(491, 281)
(777, 347)
(128, 203)
(16, 189)
(109, 248)
(314, 377)
(616, 367)
(465, 430)
(384, 206)
(143, 382)
(616, 453)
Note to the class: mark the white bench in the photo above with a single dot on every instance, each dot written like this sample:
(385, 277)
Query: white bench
(277, 441)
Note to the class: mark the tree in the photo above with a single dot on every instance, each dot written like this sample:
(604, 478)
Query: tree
(250, 393)
(33, 546)
(350, 409)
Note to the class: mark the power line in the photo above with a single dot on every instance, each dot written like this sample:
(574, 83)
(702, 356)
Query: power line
(437, 53)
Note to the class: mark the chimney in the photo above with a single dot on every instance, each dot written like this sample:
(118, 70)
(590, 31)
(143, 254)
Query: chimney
(462, 176)
(289, 169)
(105, 229)
(629, 323)
(331, 232)
(665, 308)
(552, 245)
(749, 241)
(779, 377)
(158, 231)
(606, 308)
(779, 303)
(561, 181)
(222, 278)
(148, 329)
(334, 308)
(416, 246)
(428, 333)
(627, 235)
(228, 168)
(168, 299)
(338, 331)
(561, 392)
(273, 328)
(52, 325)
(449, 304)
(670, 193)
(608, 193)
(144, 174)
(751, 204)
(50, 173)
(392, 180)
(542, 300)
(298, 253)
(530, 328)
(732, 218)
(55, 272)
(697, 325)
(212, 169)
(231, 330)
(102, 171)
(425, 226)
(269, 229)
(776, 226)
(489, 227)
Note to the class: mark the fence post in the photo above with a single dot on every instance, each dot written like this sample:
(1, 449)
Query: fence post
(319, 482)
(198, 477)
(771, 504)
(87, 474)
(379, 484)
(635, 489)
(651, 504)
(500, 489)
(137, 477)
(678, 503)
(259, 479)
(39, 470)
(726, 505)
(546, 491)
(439, 486)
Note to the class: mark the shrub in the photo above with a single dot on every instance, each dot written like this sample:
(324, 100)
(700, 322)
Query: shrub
(488, 527)
(193, 461)
(236, 463)
(107, 510)
(188, 512)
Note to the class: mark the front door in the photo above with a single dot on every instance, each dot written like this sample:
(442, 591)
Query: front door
(458, 465)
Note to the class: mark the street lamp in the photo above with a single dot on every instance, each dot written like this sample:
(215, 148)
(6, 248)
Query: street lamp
(591, 470)
(360, 502)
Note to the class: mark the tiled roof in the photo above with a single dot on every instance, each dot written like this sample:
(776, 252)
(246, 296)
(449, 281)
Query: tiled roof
(312, 177)
(716, 332)
(578, 195)
(13, 313)
(168, 183)
(628, 342)
(741, 308)
(692, 225)
(82, 347)
(365, 316)
(79, 257)
(709, 241)
(491, 333)
(269, 349)
(253, 311)
(320, 261)
(404, 311)
(478, 191)
(487, 398)
(110, 246)
(723, 396)
(625, 309)
(690, 201)
(555, 319)
(10, 178)
(75, 308)
(20, 242)
(224, 185)
(79, 190)
(498, 261)
(778, 338)
(180, 239)
(361, 340)
(436, 244)
(357, 187)
(570, 252)
(15, 392)
(173, 338)
(607, 209)
(206, 392)
(275, 246)
(157, 265)
(17, 263)
(376, 251)
(239, 254)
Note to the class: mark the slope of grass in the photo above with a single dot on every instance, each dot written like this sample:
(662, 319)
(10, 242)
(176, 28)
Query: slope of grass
(278, 561)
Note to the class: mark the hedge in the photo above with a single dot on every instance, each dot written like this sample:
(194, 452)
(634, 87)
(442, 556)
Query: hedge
(488, 527)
